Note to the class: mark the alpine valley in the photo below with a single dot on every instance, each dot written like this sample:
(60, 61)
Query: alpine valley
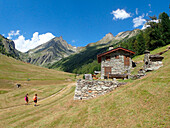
(55, 50)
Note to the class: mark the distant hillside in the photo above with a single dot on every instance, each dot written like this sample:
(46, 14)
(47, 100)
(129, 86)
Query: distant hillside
(86, 60)
(50, 52)
(7, 47)
(14, 71)
(108, 38)
(57, 49)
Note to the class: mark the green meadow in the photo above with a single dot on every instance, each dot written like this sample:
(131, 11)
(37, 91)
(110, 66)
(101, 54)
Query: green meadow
(141, 103)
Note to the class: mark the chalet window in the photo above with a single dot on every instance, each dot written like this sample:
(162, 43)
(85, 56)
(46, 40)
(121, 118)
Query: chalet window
(116, 57)
(126, 61)
(107, 58)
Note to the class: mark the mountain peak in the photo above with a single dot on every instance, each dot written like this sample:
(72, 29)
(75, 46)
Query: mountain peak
(109, 36)
(50, 52)
(61, 37)
(58, 38)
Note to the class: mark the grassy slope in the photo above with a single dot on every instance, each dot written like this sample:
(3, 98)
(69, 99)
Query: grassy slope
(141, 103)
(78, 60)
(41, 80)
(17, 71)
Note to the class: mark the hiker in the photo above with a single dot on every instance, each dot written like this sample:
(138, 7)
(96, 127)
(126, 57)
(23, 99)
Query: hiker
(35, 99)
(26, 99)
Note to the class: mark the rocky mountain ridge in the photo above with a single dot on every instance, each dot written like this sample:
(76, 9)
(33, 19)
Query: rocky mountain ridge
(126, 34)
(9, 47)
(50, 52)
(109, 37)
(57, 48)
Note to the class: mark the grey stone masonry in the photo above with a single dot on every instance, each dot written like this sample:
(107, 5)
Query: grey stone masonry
(117, 65)
(152, 62)
(86, 89)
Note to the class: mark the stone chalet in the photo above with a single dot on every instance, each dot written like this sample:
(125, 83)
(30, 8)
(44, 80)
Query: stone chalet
(115, 63)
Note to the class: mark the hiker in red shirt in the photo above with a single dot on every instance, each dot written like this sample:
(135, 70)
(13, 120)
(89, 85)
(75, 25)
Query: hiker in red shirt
(26, 99)
(35, 99)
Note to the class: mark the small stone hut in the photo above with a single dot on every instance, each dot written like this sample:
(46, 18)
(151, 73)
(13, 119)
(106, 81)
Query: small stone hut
(115, 63)
(152, 62)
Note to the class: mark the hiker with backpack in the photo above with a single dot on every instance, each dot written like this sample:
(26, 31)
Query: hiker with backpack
(35, 99)
(26, 99)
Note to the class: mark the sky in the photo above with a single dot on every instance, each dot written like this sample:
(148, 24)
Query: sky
(30, 23)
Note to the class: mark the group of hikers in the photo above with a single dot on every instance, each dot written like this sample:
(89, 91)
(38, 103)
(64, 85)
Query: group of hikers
(34, 98)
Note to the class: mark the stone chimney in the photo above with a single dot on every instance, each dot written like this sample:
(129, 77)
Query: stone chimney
(146, 60)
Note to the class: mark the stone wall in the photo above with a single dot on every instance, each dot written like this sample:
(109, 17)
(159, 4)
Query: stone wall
(86, 89)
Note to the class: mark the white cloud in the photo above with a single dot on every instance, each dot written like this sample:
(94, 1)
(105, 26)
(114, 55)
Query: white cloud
(24, 45)
(136, 11)
(120, 14)
(13, 33)
(138, 21)
(149, 5)
(146, 25)
(73, 41)
(150, 8)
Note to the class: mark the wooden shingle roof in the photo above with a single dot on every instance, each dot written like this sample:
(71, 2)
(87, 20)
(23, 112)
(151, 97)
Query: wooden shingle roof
(113, 50)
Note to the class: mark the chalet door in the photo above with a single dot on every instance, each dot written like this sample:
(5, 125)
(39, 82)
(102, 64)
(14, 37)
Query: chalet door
(107, 71)
(126, 61)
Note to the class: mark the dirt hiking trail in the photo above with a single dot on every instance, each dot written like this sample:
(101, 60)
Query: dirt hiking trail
(59, 93)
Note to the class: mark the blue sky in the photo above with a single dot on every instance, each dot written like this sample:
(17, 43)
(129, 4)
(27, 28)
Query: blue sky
(33, 22)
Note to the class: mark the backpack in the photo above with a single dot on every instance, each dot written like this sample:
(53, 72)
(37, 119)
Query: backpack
(35, 98)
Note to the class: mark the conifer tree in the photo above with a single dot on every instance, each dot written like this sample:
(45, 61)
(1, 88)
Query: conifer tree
(165, 27)
(140, 44)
